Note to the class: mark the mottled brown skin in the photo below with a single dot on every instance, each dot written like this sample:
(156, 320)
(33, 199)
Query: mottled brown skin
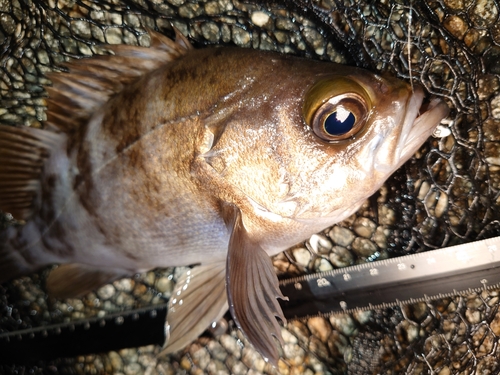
(197, 156)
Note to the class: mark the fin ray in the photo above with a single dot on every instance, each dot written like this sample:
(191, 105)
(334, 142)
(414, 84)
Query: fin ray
(22, 154)
(203, 294)
(75, 280)
(253, 289)
(90, 82)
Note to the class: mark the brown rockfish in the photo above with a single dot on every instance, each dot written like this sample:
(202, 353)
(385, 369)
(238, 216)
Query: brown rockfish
(216, 157)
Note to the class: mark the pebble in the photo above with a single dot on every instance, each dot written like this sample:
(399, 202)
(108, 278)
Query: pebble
(320, 328)
(344, 324)
(106, 292)
(116, 360)
(495, 105)
(364, 227)
(320, 244)
(380, 237)
(387, 216)
(324, 265)
(484, 13)
(230, 344)
(200, 356)
(341, 257)
(302, 256)
(133, 369)
(210, 31)
(341, 236)
(363, 247)
(260, 18)
(216, 350)
(124, 285)
(409, 331)
(473, 316)
(253, 359)
(212, 8)
(241, 37)
(165, 285)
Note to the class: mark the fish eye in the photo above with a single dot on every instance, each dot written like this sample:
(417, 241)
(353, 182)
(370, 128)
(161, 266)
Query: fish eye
(339, 118)
(336, 109)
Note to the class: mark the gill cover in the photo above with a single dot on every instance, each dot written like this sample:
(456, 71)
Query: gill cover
(336, 109)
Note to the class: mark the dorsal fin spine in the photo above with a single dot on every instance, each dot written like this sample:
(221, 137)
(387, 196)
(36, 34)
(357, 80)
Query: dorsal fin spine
(90, 82)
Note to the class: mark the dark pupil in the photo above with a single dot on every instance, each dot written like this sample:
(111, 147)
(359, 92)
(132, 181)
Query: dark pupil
(335, 126)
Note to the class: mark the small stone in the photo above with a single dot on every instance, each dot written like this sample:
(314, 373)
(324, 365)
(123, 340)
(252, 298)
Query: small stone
(441, 205)
(364, 247)
(344, 324)
(363, 317)
(456, 25)
(341, 257)
(495, 324)
(320, 328)
(106, 292)
(230, 344)
(408, 331)
(212, 8)
(387, 216)
(165, 285)
(200, 356)
(190, 10)
(116, 360)
(114, 35)
(253, 359)
(495, 105)
(260, 18)
(288, 337)
(320, 244)
(364, 227)
(341, 236)
(133, 369)
(124, 285)
(473, 316)
(324, 265)
(210, 31)
(241, 37)
(484, 13)
(302, 256)
(217, 350)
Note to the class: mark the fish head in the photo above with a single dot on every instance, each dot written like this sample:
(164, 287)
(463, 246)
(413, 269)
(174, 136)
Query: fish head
(380, 121)
(368, 125)
(314, 141)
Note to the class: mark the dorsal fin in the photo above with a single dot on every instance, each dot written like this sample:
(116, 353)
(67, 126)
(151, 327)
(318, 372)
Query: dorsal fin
(90, 82)
(73, 98)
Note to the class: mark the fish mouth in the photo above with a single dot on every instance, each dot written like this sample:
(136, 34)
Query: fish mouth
(428, 117)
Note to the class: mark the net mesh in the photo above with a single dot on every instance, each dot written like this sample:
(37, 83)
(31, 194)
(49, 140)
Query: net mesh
(447, 194)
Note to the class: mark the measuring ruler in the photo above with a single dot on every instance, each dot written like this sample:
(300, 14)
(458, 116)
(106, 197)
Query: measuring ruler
(436, 274)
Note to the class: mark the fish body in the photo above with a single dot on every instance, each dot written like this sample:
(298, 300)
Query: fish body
(171, 156)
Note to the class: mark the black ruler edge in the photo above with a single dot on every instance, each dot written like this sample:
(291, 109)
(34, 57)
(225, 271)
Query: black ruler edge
(127, 329)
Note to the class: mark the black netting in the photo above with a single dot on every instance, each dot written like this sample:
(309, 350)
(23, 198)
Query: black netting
(447, 194)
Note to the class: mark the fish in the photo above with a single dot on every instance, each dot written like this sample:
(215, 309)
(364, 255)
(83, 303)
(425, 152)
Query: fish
(217, 158)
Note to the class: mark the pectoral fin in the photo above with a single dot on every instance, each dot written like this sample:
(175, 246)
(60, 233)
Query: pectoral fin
(75, 280)
(199, 299)
(253, 289)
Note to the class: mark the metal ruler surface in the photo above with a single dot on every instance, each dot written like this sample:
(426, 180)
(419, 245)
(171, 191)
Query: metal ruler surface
(435, 274)
(460, 269)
